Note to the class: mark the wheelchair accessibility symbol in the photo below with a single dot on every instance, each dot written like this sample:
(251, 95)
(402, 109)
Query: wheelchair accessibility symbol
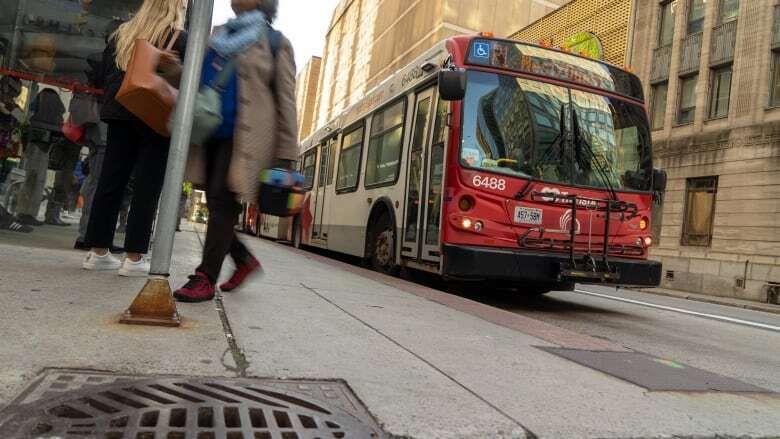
(481, 50)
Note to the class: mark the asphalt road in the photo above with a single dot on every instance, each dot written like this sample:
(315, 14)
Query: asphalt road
(733, 342)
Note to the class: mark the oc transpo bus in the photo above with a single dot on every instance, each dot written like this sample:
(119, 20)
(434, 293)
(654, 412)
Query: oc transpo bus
(489, 160)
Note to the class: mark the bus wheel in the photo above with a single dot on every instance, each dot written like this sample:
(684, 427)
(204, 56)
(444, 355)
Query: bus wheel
(383, 247)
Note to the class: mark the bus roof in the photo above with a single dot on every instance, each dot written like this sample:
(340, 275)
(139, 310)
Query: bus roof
(501, 54)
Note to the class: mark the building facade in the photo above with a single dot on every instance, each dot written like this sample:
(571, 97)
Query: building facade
(711, 71)
(306, 89)
(370, 39)
(599, 28)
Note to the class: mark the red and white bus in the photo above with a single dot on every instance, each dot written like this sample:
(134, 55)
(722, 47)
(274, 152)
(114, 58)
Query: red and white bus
(490, 160)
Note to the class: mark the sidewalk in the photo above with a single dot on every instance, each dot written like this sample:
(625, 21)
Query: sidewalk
(425, 364)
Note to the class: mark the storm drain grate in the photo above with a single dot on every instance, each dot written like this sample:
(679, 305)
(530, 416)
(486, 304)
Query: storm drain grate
(75, 405)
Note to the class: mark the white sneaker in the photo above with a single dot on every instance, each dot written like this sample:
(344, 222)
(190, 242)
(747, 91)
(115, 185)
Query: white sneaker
(100, 263)
(138, 268)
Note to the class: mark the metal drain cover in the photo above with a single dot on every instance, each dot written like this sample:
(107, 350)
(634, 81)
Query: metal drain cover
(72, 404)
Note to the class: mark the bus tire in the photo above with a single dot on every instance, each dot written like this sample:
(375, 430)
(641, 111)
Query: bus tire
(297, 233)
(382, 246)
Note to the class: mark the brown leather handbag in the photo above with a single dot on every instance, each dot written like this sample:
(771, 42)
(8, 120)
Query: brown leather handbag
(144, 92)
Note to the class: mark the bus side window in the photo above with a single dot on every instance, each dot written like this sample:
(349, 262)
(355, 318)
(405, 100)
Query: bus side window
(333, 146)
(349, 159)
(384, 148)
(309, 167)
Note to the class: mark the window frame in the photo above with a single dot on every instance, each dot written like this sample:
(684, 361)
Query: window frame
(359, 125)
(313, 151)
(713, 188)
(715, 76)
(719, 17)
(654, 103)
(680, 100)
(774, 80)
(322, 177)
(661, 23)
(391, 104)
(688, 21)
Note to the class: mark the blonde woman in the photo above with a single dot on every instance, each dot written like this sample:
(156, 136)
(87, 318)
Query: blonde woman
(133, 149)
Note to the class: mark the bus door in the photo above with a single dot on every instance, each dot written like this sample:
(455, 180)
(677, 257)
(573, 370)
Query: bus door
(324, 179)
(434, 183)
(414, 213)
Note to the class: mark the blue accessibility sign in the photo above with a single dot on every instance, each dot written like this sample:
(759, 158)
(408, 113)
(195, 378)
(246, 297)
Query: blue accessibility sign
(480, 50)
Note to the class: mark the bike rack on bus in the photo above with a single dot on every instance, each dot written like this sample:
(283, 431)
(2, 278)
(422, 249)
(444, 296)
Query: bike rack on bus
(587, 267)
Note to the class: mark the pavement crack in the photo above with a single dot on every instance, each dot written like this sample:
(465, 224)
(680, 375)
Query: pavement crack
(239, 358)
(528, 433)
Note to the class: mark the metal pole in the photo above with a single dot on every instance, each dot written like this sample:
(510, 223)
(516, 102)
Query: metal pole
(200, 29)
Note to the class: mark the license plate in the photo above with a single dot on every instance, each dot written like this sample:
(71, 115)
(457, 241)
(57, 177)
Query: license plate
(526, 215)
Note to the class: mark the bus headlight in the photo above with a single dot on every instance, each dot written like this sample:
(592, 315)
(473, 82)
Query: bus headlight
(643, 223)
(648, 241)
(465, 203)
(478, 226)
(466, 223)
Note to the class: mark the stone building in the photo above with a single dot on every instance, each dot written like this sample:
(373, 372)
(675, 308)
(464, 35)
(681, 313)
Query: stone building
(370, 39)
(600, 28)
(306, 88)
(711, 71)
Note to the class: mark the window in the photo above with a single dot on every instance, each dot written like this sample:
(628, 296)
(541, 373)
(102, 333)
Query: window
(658, 106)
(687, 109)
(666, 25)
(324, 159)
(384, 148)
(700, 196)
(696, 16)
(728, 10)
(774, 92)
(349, 160)
(309, 167)
(332, 161)
(720, 92)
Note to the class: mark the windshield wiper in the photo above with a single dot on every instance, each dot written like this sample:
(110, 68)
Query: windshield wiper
(579, 142)
(556, 143)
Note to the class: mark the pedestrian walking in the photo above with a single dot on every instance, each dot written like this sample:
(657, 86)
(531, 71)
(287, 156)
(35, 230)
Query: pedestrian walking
(133, 148)
(258, 131)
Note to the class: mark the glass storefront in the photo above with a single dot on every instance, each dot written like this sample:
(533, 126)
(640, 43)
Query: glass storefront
(49, 113)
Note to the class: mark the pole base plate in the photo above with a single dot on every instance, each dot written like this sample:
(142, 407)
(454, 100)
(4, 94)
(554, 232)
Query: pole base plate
(153, 306)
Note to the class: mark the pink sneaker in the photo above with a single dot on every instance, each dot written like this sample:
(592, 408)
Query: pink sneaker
(198, 289)
(242, 273)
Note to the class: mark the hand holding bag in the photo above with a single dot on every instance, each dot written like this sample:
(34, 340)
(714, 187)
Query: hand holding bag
(144, 92)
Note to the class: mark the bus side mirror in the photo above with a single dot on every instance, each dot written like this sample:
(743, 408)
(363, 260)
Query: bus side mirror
(659, 180)
(452, 85)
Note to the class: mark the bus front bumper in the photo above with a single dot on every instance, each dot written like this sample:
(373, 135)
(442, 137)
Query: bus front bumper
(489, 263)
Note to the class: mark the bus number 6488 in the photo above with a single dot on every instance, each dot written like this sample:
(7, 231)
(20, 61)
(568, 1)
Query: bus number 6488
(490, 182)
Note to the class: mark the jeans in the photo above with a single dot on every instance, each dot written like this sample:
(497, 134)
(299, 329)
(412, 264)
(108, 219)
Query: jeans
(90, 187)
(36, 166)
(133, 150)
(224, 210)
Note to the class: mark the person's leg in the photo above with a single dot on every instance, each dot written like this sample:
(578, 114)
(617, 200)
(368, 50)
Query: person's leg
(147, 185)
(121, 156)
(89, 188)
(223, 210)
(36, 165)
(58, 199)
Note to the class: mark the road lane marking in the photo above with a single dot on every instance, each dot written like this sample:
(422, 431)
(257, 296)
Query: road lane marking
(683, 311)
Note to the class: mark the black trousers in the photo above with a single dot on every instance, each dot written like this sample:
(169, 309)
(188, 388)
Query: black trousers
(133, 150)
(224, 210)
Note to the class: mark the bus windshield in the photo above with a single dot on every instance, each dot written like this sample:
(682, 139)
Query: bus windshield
(527, 129)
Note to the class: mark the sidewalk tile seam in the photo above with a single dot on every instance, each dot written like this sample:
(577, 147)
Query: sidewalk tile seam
(420, 358)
